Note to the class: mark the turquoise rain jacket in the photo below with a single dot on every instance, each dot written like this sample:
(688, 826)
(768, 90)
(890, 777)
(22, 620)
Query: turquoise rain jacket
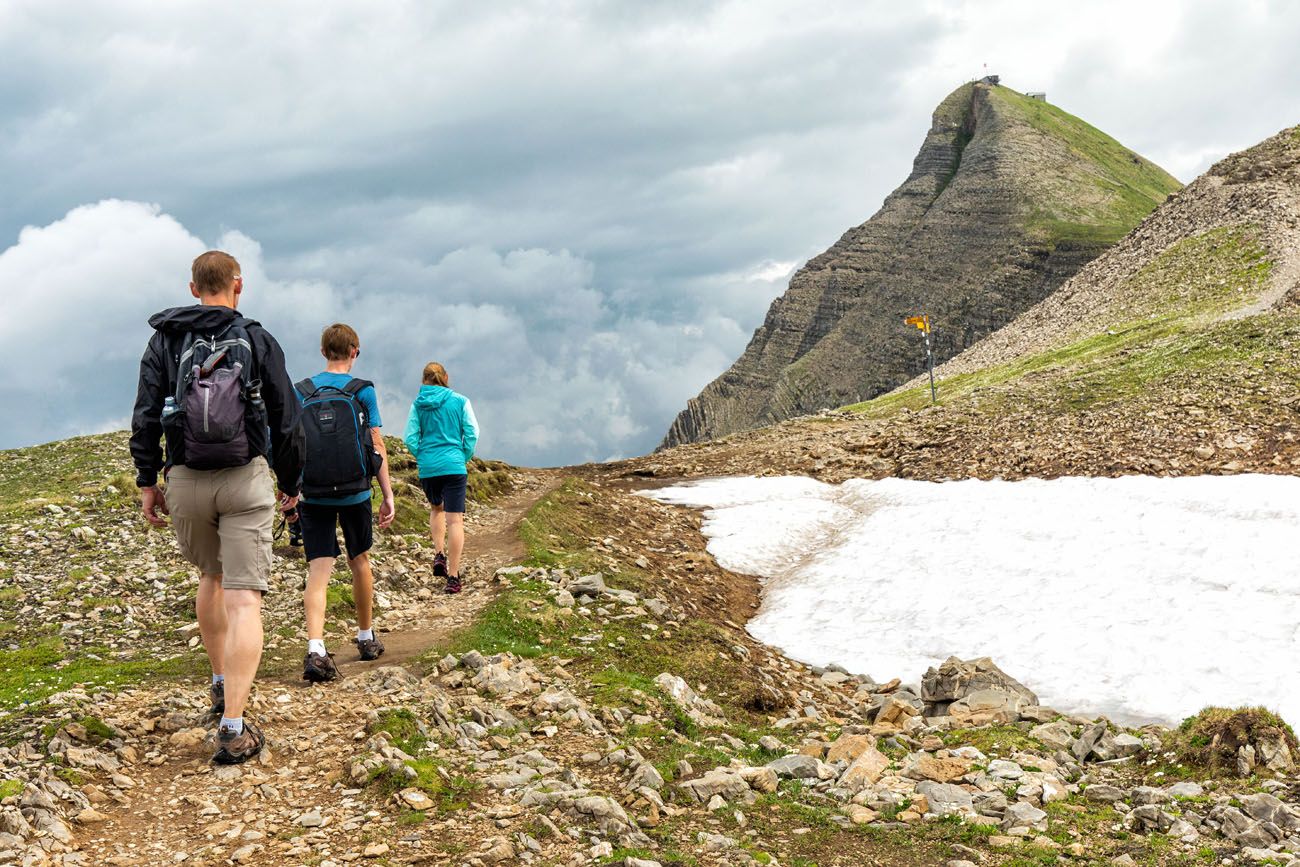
(441, 431)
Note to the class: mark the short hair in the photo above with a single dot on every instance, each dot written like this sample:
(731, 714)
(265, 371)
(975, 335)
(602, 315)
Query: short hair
(435, 374)
(337, 342)
(213, 272)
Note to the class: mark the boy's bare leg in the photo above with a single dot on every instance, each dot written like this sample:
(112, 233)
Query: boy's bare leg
(363, 589)
(455, 541)
(313, 598)
(243, 647)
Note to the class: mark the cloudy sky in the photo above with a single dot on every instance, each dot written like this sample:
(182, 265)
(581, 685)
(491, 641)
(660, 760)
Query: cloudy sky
(582, 209)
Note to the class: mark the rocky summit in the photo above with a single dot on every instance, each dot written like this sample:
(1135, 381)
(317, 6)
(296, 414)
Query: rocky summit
(1008, 198)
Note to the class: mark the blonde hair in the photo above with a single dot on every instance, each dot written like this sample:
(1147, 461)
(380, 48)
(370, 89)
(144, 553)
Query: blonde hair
(435, 374)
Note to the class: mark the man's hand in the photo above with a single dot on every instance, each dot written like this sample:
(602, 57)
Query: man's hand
(387, 512)
(288, 503)
(152, 502)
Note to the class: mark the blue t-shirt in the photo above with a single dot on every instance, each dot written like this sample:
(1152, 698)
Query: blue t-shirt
(370, 403)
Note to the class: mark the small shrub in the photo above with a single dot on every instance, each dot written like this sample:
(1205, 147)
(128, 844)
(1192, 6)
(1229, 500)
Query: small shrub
(1211, 738)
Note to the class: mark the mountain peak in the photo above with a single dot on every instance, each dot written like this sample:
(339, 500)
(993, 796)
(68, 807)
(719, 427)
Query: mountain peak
(1008, 197)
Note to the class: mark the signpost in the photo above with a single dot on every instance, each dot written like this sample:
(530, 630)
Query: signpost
(923, 323)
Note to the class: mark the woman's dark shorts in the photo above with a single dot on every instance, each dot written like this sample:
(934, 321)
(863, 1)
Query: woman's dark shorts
(319, 538)
(446, 491)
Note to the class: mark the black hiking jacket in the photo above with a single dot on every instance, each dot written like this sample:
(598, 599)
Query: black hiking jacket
(158, 371)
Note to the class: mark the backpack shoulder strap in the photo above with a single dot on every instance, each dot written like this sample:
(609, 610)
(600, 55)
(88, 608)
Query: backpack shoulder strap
(356, 386)
(306, 388)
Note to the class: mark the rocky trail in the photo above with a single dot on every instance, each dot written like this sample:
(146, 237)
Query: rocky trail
(604, 704)
(177, 799)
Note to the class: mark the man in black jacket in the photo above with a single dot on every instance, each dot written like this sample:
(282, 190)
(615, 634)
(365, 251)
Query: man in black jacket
(222, 516)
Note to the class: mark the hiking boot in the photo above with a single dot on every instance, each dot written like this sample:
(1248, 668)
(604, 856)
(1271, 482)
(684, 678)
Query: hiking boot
(217, 692)
(453, 584)
(370, 648)
(235, 749)
(440, 565)
(319, 667)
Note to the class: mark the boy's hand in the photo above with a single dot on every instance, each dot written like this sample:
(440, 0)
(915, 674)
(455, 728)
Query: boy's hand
(152, 502)
(387, 512)
(288, 503)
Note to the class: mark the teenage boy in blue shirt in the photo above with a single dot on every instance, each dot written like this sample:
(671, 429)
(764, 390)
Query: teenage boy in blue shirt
(341, 346)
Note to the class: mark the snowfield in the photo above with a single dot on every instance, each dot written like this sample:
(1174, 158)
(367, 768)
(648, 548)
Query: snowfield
(1143, 598)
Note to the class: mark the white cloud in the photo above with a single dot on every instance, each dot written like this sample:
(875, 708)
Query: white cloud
(553, 197)
(553, 373)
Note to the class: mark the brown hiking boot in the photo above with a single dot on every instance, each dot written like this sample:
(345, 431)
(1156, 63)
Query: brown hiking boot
(370, 648)
(217, 692)
(319, 667)
(235, 749)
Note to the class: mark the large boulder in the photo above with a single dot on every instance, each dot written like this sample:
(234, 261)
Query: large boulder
(957, 679)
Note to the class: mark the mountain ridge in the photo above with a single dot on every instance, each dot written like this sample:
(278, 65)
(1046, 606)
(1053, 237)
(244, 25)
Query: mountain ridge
(1008, 197)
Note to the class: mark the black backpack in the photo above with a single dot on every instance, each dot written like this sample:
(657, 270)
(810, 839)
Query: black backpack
(341, 456)
(216, 419)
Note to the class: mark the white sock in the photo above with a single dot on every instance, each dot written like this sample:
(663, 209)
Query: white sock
(316, 645)
(218, 678)
(365, 634)
(236, 724)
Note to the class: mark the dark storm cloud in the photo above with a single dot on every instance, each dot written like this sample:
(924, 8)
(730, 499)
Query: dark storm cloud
(583, 209)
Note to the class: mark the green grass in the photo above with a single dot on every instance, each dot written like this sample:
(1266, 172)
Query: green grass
(36, 671)
(1123, 186)
(338, 597)
(10, 788)
(1170, 327)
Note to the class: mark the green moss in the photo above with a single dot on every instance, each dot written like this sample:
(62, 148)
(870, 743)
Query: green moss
(97, 730)
(338, 597)
(996, 740)
(405, 730)
(10, 788)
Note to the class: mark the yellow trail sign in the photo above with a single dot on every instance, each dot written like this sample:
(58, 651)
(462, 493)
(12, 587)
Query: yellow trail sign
(921, 322)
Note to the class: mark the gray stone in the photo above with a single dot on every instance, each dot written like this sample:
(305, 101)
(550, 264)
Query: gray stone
(1023, 815)
(1103, 794)
(945, 798)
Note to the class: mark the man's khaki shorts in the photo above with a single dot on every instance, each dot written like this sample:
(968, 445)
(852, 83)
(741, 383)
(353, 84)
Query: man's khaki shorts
(223, 521)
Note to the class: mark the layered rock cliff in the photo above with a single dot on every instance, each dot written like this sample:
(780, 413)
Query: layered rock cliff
(1008, 198)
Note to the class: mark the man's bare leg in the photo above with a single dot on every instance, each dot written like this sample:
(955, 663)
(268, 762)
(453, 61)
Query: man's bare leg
(455, 541)
(243, 647)
(210, 607)
(363, 589)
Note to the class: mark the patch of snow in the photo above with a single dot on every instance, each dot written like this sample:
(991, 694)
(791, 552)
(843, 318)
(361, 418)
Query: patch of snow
(1142, 597)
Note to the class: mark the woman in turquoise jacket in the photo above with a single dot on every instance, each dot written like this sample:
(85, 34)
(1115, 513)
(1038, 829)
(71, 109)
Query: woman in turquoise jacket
(441, 432)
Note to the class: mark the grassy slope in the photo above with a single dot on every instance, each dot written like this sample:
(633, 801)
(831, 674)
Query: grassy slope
(1162, 324)
(1121, 187)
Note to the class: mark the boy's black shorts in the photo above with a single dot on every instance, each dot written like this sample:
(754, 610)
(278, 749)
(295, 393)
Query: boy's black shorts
(319, 521)
(446, 491)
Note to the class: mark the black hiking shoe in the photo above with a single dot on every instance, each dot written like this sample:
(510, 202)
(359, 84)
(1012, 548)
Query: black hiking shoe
(370, 648)
(440, 565)
(319, 667)
(235, 749)
(217, 692)
(453, 584)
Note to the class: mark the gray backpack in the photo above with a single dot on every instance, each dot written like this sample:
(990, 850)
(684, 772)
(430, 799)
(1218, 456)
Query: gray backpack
(217, 405)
